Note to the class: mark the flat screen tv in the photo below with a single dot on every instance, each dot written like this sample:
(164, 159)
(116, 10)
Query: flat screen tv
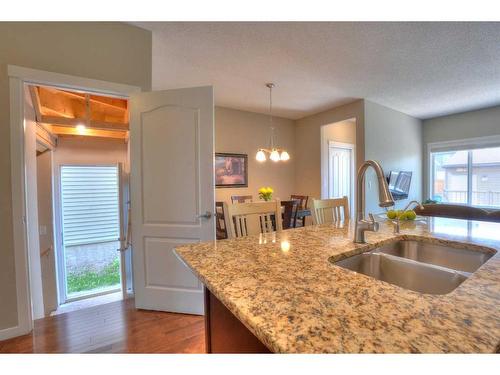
(399, 184)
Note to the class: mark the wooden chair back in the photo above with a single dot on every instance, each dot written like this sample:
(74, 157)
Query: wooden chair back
(220, 221)
(290, 213)
(302, 200)
(330, 210)
(246, 219)
(241, 198)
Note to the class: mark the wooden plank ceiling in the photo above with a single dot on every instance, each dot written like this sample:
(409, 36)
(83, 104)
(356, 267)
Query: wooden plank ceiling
(73, 114)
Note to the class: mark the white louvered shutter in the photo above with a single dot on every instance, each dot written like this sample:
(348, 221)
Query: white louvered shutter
(90, 204)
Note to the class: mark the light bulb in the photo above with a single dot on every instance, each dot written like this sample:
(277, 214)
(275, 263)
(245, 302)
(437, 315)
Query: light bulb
(81, 129)
(261, 156)
(275, 155)
(284, 156)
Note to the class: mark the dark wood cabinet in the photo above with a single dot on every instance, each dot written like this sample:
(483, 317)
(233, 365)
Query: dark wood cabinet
(224, 333)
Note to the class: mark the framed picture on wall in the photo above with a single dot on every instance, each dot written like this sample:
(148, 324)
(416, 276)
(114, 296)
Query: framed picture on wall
(231, 170)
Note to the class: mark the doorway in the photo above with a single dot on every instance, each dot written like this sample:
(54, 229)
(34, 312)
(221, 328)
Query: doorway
(172, 125)
(82, 195)
(338, 160)
(341, 171)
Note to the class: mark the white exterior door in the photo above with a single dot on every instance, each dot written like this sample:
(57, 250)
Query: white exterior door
(172, 190)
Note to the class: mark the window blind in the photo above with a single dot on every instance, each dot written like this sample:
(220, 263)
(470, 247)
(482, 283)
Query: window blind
(90, 204)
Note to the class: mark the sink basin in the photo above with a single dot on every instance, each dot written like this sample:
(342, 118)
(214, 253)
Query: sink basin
(446, 256)
(421, 266)
(406, 273)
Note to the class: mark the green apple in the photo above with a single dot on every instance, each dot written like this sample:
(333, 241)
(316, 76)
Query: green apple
(411, 215)
(391, 214)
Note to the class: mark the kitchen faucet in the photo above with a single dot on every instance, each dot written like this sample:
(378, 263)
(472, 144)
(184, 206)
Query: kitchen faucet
(384, 199)
(397, 220)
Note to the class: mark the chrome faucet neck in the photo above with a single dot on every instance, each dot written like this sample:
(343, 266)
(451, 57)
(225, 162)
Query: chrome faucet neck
(385, 200)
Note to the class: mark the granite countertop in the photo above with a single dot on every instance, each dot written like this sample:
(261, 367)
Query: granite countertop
(282, 287)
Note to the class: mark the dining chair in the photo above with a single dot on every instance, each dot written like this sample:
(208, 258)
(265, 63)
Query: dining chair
(330, 210)
(241, 198)
(246, 219)
(290, 209)
(220, 221)
(303, 199)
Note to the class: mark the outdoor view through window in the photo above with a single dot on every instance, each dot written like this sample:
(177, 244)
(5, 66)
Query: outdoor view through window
(467, 177)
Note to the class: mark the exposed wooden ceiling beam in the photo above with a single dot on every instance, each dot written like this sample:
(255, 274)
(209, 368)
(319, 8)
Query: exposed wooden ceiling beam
(45, 137)
(67, 131)
(55, 113)
(114, 103)
(59, 113)
(72, 122)
(88, 115)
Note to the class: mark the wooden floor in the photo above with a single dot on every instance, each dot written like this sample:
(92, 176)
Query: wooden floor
(112, 328)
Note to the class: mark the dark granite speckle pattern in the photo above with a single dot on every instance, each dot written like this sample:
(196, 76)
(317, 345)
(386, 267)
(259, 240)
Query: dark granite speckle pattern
(284, 289)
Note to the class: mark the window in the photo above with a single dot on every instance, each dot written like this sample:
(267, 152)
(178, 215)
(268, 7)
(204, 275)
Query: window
(466, 176)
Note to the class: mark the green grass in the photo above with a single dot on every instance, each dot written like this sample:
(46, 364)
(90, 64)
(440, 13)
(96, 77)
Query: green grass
(88, 279)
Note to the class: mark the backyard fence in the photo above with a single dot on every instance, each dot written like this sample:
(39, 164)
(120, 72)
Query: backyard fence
(479, 198)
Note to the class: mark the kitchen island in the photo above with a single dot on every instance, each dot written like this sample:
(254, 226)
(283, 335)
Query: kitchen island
(282, 291)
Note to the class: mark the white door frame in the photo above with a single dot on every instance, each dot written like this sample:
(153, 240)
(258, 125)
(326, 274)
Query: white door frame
(352, 148)
(18, 76)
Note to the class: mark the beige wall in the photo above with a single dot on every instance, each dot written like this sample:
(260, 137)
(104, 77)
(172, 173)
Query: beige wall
(244, 133)
(308, 144)
(343, 131)
(460, 126)
(473, 124)
(395, 140)
(113, 52)
(89, 151)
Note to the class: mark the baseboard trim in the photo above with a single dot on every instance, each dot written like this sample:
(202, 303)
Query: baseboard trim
(11, 332)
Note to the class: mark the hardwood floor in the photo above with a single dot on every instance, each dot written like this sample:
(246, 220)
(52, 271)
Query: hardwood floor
(112, 328)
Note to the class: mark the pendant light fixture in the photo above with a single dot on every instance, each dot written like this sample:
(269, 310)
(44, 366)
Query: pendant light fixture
(275, 153)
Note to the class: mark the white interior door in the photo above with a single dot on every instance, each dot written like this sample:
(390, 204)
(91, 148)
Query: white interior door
(172, 188)
(341, 171)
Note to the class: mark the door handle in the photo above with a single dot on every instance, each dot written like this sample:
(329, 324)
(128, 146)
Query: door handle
(207, 215)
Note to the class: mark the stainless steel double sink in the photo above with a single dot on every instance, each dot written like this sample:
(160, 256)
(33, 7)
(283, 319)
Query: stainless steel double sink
(420, 266)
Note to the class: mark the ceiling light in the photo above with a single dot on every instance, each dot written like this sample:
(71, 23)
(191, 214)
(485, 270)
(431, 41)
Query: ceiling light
(81, 129)
(275, 153)
(261, 156)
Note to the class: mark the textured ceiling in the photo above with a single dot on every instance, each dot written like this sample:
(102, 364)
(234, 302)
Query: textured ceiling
(422, 69)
